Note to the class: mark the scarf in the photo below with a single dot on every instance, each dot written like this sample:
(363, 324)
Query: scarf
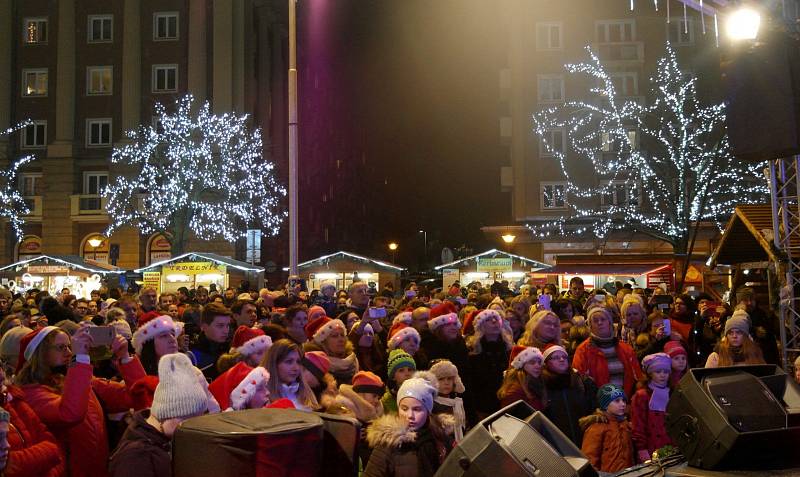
(458, 413)
(659, 398)
(348, 365)
(609, 342)
(737, 354)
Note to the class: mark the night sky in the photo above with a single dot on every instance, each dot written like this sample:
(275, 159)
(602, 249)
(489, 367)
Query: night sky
(423, 76)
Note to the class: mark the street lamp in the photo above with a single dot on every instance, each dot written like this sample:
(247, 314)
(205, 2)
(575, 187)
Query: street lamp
(425, 241)
(743, 24)
(95, 242)
(393, 247)
(508, 238)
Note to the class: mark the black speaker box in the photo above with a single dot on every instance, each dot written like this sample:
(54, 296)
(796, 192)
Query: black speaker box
(516, 441)
(340, 445)
(739, 417)
(762, 85)
(252, 443)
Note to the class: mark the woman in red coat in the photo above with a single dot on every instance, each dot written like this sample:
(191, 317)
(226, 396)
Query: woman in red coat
(67, 397)
(603, 357)
(34, 451)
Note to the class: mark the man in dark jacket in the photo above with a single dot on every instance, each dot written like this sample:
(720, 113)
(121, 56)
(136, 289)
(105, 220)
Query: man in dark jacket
(213, 341)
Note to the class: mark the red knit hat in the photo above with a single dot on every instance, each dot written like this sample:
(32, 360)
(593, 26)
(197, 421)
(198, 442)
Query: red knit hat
(674, 348)
(222, 387)
(320, 328)
(317, 363)
(368, 382)
(399, 333)
(145, 317)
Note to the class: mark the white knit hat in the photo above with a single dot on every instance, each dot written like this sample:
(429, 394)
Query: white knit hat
(151, 329)
(246, 389)
(178, 393)
(442, 320)
(552, 349)
(526, 355)
(419, 389)
(403, 317)
(485, 315)
(444, 368)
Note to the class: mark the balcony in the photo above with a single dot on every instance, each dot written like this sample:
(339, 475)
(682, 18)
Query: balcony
(34, 204)
(622, 53)
(88, 208)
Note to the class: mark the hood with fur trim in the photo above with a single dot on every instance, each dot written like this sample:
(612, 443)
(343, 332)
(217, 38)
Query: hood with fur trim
(389, 431)
(364, 411)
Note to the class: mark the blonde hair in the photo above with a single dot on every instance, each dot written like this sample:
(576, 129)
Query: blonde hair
(530, 327)
(36, 370)
(636, 302)
(520, 377)
(277, 353)
(474, 340)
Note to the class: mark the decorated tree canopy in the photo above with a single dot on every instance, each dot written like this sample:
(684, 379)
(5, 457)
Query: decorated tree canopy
(195, 173)
(12, 205)
(659, 167)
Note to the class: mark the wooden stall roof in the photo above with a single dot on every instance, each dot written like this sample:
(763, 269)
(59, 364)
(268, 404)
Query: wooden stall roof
(747, 237)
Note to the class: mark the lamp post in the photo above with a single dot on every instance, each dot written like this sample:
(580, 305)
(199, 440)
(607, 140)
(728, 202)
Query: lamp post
(393, 247)
(743, 24)
(293, 219)
(424, 245)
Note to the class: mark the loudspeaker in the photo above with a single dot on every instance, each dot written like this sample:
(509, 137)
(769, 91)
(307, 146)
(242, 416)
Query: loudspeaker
(340, 445)
(252, 443)
(516, 440)
(762, 85)
(739, 417)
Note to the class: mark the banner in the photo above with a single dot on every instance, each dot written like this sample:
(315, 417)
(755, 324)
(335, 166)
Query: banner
(47, 269)
(495, 264)
(152, 280)
(192, 268)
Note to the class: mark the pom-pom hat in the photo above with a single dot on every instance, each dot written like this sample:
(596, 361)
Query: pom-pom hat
(521, 355)
(179, 393)
(151, 329)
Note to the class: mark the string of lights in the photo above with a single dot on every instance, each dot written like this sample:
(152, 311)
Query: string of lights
(658, 168)
(195, 172)
(12, 204)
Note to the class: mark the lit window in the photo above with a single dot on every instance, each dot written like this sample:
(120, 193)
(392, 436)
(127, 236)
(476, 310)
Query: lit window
(553, 195)
(98, 132)
(34, 30)
(100, 28)
(34, 82)
(165, 78)
(553, 142)
(681, 31)
(99, 80)
(35, 135)
(165, 26)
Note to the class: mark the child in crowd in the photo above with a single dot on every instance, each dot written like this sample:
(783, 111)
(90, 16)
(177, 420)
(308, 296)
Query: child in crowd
(315, 367)
(252, 391)
(448, 398)
(607, 433)
(680, 361)
(401, 366)
(248, 345)
(282, 362)
(523, 378)
(649, 405)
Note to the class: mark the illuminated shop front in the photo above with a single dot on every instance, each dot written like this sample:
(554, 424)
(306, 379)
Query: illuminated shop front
(56, 272)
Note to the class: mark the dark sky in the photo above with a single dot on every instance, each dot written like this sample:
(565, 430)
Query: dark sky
(426, 96)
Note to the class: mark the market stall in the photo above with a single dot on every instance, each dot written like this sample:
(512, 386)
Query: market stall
(343, 268)
(56, 272)
(488, 267)
(195, 269)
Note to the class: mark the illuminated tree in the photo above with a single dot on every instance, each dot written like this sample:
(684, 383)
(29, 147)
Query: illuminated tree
(12, 205)
(661, 168)
(195, 173)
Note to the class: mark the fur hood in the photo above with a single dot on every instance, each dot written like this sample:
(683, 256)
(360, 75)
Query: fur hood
(389, 431)
(364, 411)
(597, 416)
(448, 422)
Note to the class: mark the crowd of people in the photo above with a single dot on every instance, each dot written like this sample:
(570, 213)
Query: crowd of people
(98, 387)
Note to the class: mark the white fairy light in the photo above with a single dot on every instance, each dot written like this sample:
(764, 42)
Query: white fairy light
(12, 204)
(200, 173)
(683, 173)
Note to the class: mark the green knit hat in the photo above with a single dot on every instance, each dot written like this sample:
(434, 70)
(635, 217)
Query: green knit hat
(400, 359)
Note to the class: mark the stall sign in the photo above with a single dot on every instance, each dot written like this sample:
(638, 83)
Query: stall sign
(47, 269)
(495, 264)
(151, 280)
(538, 280)
(665, 275)
(449, 276)
(192, 268)
(30, 245)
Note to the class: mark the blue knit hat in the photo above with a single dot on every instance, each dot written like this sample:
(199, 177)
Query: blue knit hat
(399, 359)
(607, 394)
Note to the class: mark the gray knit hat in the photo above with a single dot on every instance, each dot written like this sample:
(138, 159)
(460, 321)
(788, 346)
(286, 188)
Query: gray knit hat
(419, 389)
(740, 320)
(178, 393)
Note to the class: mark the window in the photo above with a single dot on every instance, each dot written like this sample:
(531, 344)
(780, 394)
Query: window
(253, 246)
(94, 182)
(34, 30)
(98, 132)
(615, 31)
(549, 36)
(165, 78)
(553, 195)
(552, 142)
(30, 184)
(550, 88)
(626, 84)
(100, 29)
(680, 31)
(34, 82)
(613, 142)
(35, 135)
(165, 26)
(99, 80)
(620, 193)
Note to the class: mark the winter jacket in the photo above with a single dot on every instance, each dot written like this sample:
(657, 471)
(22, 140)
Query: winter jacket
(487, 369)
(569, 397)
(607, 442)
(76, 416)
(649, 427)
(515, 392)
(34, 451)
(590, 360)
(398, 452)
(143, 451)
(206, 353)
(456, 351)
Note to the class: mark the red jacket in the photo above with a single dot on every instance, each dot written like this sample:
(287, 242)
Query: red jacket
(76, 417)
(590, 360)
(34, 451)
(649, 427)
(515, 393)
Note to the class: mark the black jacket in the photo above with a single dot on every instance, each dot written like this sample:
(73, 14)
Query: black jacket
(569, 398)
(143, 451)
(487, 369)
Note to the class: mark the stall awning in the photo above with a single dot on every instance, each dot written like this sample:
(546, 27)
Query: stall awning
(747, 237)
(493, 253)
(72, 261)
(342, 255)
(626, 269)
(203, 256)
